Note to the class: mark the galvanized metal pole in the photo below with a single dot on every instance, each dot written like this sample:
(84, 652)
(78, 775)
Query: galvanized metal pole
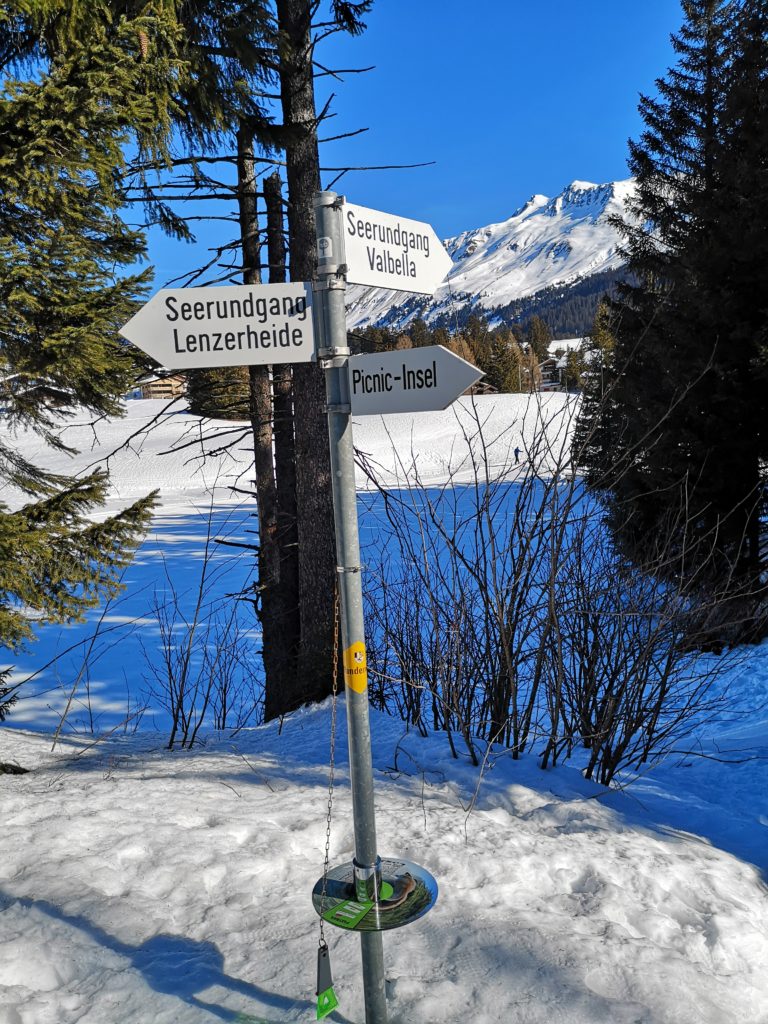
(333, 352)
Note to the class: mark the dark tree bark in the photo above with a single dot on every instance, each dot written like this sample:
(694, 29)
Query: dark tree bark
(277, 641)
(316, 542)
(285, 460)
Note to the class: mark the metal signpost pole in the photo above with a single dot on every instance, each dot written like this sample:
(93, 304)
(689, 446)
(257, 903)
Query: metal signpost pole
(333, 354)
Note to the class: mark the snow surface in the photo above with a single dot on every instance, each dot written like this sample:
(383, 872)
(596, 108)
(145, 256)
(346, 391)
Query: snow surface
(164, 453)
(547, 242)
(143, 885)
(160, 445)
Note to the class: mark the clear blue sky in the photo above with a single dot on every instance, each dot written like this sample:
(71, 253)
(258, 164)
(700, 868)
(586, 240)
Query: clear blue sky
(507, 97)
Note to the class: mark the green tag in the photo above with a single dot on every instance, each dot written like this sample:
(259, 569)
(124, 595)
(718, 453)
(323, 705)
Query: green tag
(350, 913)
(326, 1003)
(347, 914)
(326, 997)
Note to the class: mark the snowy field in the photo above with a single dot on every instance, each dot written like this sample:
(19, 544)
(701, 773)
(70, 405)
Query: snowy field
(149, 887)
(157, 446)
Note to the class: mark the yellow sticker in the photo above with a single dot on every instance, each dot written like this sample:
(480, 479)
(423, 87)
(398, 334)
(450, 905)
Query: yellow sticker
(356, 667)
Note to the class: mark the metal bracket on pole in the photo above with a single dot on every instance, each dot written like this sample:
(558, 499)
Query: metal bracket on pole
(331, 358)
(336, 278)
(367, 880)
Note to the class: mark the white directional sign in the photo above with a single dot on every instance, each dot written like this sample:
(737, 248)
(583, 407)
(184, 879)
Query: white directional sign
(412, 380)
(391, 252)
(235, 325)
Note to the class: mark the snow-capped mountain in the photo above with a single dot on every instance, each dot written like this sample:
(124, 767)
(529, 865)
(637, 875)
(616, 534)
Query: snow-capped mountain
(546, 243)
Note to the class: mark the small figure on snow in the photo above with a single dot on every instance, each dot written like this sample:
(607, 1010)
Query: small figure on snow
(517, 456)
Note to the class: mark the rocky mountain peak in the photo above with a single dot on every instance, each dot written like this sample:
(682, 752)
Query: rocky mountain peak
(545, 243)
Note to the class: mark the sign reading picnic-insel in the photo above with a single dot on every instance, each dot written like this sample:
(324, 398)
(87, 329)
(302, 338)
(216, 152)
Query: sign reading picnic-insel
(411, 380)
(392, 252)
(232, 325)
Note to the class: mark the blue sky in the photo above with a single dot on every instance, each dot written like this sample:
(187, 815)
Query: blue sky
(507, 97)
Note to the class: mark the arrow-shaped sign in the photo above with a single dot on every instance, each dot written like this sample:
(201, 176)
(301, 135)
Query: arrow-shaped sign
(411, 380)
(391, 252)
(235, 325)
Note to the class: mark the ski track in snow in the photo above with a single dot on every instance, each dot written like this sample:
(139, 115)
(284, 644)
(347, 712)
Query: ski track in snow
(143, 885)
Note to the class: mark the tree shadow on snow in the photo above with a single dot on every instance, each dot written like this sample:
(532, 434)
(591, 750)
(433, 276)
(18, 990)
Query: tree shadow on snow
(176, 966)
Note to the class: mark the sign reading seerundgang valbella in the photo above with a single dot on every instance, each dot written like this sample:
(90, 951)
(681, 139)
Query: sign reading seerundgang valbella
(392, 252)
(234, 325)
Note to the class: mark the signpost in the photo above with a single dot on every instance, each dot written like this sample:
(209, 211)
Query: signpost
(390, 252)
(412, 380)
(374, 248)
(184, 328)
(234, 325)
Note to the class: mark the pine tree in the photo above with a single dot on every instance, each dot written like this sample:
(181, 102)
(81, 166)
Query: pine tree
(220, 393)
(476, 330)
(419, 333)
(680, 434)
(372, 339)
(575, 368)
(538, 336)
(479, 350)
(736, 266)
(503, 371)
(221, 54)
(590, 443)
(63, 246)
(316, 543)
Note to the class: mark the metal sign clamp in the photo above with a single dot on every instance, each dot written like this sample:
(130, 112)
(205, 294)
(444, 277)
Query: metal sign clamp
(332, 359)
(337, 278)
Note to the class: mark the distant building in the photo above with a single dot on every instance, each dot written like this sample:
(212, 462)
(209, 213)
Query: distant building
(161, 385)
(555, 348)
(554, 369)
(550, 374)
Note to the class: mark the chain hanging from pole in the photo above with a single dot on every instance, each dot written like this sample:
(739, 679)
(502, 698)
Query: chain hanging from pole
(326, 997)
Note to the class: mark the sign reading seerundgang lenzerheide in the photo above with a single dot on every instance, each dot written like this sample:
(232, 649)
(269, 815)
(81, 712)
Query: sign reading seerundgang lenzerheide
(233, 325)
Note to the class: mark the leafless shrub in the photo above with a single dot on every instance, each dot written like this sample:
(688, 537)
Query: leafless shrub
(199, 665)
(500, 613)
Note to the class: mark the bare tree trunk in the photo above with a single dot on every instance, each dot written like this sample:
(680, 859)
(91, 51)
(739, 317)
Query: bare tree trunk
(285, 447)
(282, 680)
(270, 600)
(316, 543)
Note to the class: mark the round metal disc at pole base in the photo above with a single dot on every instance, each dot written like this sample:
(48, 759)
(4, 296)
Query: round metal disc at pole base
(407, 892)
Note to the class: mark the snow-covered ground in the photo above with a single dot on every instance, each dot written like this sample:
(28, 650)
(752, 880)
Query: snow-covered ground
(142, 885)
(160, 446)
